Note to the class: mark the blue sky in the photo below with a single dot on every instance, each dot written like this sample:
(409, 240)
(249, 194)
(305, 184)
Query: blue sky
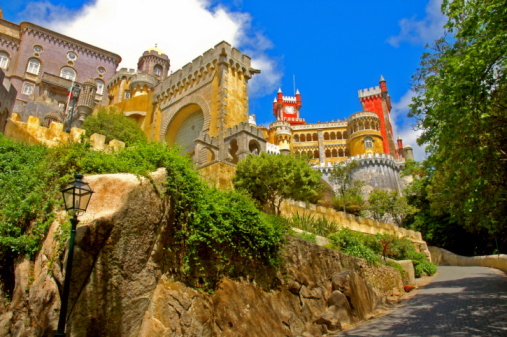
(332, 48)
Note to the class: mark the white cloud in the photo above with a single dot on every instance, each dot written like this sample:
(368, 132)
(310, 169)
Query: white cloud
(421, 32)
(403, 126)
(182, 29)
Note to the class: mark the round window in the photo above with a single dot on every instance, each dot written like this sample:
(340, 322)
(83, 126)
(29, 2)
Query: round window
(71, 55)
(37, 49)
(101, 70)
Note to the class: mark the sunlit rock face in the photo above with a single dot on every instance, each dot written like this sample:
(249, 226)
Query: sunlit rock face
(124, 281)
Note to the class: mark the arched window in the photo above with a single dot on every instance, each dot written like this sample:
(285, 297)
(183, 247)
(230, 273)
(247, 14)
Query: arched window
(333, 136)
(367, 126)
(68, 73)
(326, 136)
(157, 70)
(368, 143)
(315, 137)
(28, 88)
(316, 154)
(100, 87)
(303, 139)
(338, 135)
(345, 135)
(308, 137)
(4, 60)
(328, 153)
(340, 153)
(335, 153)
(296, 138)
(33, 66)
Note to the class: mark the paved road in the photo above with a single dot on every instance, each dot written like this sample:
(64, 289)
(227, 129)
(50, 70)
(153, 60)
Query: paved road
(460, 301)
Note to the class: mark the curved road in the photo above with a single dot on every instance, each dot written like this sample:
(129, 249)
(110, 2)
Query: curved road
(460, 301)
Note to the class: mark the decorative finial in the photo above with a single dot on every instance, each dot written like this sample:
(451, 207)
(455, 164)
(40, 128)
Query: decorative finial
(382, 78)
(279, 89)
(297, 92)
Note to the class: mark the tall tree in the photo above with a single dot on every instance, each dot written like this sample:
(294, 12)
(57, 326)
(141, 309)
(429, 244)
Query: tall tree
(389, 206)
(341, 175)
(271, 179)
(461, 106)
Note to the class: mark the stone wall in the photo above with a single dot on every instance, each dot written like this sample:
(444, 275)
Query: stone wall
(32, 132)
(352, 222)
(444, 257)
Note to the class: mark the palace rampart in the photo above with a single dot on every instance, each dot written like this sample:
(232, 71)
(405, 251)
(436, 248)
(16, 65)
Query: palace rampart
(32, 132)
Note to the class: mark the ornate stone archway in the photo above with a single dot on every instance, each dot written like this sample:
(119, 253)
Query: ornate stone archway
(170, 112)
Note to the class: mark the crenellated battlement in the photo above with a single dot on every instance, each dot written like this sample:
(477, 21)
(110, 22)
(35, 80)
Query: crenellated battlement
(369, 92)
(244, 127)
(33, 132)
(289, 99)
(363, 160)
(201, 66)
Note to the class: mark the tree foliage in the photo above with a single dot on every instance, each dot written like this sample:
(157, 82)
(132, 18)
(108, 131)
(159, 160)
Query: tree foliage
(271, 179)
(114, 125)
(347, 188)
(387, 206)
(461, 104)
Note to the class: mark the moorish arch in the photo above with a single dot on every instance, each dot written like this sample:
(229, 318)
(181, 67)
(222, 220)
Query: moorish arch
(184, 121)
(185, 127)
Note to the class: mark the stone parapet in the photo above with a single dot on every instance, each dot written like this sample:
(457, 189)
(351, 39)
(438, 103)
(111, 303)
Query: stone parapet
(350, 221)
(32, 132)
(444, 257)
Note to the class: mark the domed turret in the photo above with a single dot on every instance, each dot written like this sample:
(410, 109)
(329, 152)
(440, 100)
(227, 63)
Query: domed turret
(282, 135)
(364, 133)
(154, 62)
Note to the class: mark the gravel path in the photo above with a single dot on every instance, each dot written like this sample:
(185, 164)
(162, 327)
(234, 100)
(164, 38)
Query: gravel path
(459, 301)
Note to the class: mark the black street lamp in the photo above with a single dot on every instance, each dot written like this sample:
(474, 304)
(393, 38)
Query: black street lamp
(76, 196)
(75, 94)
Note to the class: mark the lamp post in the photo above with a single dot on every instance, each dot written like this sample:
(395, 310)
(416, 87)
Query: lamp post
(76, 196)
(75, 94)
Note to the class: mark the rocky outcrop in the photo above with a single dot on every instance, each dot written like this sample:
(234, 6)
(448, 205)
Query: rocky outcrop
(125, 284)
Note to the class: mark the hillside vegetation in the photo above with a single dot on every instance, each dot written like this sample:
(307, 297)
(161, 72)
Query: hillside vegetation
(225, 229)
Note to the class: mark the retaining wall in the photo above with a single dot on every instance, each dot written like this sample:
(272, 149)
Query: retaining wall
(444, 257)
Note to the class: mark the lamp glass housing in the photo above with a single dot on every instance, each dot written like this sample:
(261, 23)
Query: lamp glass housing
(75, 91)
(76, 195)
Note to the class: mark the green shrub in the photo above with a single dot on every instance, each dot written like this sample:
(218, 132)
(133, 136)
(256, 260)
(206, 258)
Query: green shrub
(355, 244)
(310, 223)
(114, 125)
(425, 268)
(345, 238)
(310, 237)
(363, 252)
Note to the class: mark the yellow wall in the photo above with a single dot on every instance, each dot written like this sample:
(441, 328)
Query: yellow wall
(356, 143)
(237, 99)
